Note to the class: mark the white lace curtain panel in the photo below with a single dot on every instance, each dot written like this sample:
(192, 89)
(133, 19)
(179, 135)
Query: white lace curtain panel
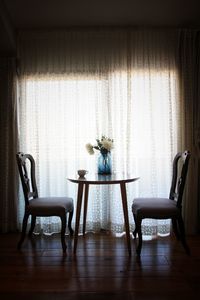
(77, 85)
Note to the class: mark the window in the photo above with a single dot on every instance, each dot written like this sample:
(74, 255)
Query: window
(139, 109)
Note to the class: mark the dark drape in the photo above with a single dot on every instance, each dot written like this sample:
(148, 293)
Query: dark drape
(189, 70)
(8, 145)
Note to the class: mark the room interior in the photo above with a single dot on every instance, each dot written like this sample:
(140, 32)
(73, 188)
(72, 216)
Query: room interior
(86, 50)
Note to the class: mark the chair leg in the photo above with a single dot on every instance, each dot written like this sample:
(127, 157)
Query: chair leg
(23, 234)
(63, 229)
(70, 223)
(139, 231)
(135, 231)
(182, 234)
(33, 221)
(175, 228)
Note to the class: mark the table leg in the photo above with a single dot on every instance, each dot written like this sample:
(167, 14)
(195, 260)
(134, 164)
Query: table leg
(85, 206)
(78, 213)
(125, 210)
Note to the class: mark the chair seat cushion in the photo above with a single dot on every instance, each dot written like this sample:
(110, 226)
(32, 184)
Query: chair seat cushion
(50, 206)
(155, 208)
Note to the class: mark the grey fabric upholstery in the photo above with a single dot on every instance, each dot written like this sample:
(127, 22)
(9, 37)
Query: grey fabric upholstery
(165, 208)
(157, 208)
(54, 206)
(36, 206)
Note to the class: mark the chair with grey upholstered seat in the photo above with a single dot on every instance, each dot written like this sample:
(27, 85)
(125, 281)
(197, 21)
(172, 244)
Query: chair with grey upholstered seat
(165, 208)
(36, 206)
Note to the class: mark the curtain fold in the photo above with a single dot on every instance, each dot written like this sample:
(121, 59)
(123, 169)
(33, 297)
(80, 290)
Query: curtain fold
(76, 86)
(189, 73)
(8, 148)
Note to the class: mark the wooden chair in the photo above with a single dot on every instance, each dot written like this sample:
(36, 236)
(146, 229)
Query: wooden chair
(36, 206)
(165, 208)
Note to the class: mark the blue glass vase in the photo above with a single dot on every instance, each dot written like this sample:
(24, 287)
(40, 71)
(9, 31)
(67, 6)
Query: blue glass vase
(104, 163)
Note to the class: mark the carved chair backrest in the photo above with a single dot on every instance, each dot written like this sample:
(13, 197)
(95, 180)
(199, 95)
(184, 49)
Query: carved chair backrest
(26, 167)
(180, 170)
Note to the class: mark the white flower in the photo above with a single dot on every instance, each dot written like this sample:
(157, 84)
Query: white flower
(107, 144)
(104, 145)
(89, 148)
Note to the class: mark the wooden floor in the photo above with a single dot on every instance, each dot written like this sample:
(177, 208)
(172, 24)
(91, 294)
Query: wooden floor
(101, 269)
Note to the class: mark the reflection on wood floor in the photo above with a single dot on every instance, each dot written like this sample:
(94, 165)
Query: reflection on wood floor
(101, 269)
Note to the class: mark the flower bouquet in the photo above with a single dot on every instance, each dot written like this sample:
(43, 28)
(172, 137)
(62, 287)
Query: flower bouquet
(104, 146)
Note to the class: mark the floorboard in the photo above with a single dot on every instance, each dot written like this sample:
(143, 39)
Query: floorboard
(101, 269)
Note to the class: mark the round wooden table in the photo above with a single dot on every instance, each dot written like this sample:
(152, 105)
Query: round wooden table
(96, 179)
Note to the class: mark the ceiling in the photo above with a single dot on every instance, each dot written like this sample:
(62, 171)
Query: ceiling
(62, 13)
(54, 14)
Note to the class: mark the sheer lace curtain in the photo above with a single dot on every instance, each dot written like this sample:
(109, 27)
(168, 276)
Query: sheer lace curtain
(76, 86)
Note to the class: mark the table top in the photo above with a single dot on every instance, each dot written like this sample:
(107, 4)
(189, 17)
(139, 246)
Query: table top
(92, 178)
